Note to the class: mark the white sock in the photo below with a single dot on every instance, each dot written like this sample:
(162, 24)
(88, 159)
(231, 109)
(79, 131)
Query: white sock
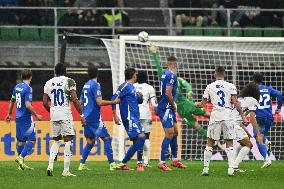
(238, 149)
(207, 156)
(67, 155)
(53, 152)
(231, 156)
(146, 151)
(241, 155)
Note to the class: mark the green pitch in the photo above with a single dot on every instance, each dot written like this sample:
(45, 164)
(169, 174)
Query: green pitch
(101, 178)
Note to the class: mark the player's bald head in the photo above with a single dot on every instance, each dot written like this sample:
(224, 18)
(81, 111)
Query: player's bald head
(26, 74)
(220, 71)
(172, 62)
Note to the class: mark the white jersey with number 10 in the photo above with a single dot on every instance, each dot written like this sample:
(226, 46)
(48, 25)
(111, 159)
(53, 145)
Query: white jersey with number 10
(58, 89)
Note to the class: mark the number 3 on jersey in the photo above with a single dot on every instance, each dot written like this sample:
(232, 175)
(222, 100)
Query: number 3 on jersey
(221, 94)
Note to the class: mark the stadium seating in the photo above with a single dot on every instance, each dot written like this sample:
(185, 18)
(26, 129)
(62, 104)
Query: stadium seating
(9, 34)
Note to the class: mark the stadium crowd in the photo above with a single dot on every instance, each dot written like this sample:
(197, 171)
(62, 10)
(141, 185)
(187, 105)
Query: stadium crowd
(92, 17)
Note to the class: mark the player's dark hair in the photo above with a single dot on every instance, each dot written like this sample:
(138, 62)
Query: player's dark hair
(128, 73)
(171, 59)
(92, 71)
(257, 77)
(142, 77)
(26, 74)
(220, 71)
(60, 69)
(251, 90)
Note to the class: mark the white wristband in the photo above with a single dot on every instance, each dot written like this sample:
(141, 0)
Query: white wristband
(82, 115)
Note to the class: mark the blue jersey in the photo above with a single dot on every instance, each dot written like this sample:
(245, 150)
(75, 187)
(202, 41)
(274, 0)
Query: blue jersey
(129, 100)
(22, 93)
(91, 110)
(168, 78)
(265, 101)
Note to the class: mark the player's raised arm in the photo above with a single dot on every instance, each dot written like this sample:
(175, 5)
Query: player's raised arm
(115, 115)
(156, 59)
(185, 85)
(277, 94)
(11, 106)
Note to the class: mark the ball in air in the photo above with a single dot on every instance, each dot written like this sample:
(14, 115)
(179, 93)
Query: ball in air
(143, 36)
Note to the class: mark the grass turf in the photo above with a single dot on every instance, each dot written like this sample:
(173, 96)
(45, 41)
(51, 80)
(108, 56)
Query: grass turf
(100, 177)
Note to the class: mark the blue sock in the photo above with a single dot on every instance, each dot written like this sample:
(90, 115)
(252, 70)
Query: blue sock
(19, 148)
(27, 148)
(108, 150)
(86, 152)
(165, 145)
(140, 145)
(174, 147)
(262, 149)
(129, 154)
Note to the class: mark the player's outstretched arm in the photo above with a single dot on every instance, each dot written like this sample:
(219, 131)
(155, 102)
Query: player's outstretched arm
(45, 100)
(256, 127)
(156, 59)
(115, 115)
(185, 85)
(201, 104)
(10, 109)
(278, 95)
(102, 102)
(77, 105)
(32, 110)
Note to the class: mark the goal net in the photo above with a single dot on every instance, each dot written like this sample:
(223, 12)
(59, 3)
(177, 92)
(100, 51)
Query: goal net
(197, 59)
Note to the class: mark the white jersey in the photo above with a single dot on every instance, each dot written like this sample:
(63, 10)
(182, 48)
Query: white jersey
(58, 89)
(220, 93)
(148, 95)
(247, 104)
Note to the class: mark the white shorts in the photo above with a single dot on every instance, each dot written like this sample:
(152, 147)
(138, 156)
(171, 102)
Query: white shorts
(240, 133)
(216, 128)
(147, 125)
(63, 128)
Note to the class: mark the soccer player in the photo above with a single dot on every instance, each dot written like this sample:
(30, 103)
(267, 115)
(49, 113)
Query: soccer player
(149, 95)
(130, 116)
(264, 114)
(25, 127)
(185, 106)
(167, 112)
(60, 90)
(91, 99)
(221, 93)
(248, 101)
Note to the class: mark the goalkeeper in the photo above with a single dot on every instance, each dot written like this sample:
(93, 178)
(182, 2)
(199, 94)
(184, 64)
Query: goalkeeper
(185, 106)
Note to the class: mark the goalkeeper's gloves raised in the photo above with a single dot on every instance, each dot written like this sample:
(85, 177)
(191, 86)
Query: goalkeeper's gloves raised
(189, 95)
(153, 48)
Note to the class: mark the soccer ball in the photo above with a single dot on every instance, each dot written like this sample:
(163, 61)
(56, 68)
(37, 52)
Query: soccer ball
(143, 36)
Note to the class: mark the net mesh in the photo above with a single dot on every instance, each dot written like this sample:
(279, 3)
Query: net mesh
(196, 63)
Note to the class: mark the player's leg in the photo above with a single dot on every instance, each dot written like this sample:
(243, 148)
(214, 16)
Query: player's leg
(229, 133)
(174, 150)
(89, 133)
(147, 126)
(267, 143)
(68, 134)
(246, 146)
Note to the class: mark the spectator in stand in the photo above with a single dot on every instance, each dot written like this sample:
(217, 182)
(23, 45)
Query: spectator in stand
(68, 3)
(29, 17)
(270, 18)
(120, 19)
(85, 3)
(46, 16)
(70, 18)
(235, 16)
(281, 14)
(88, 18)
(250, 17)
(8, 16)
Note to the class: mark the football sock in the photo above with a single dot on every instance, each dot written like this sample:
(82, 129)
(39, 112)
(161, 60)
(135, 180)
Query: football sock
(67, 155)
(262, 149)
(28, 147)
(140, 144)
(241, 155)
(131, 151)
(108, 150)
(53, 152)
(164, 151)
(238, 149)
(19, 148)
(146, 151)
(174, 148)
(86, 152)
(201, 131)
(207, 156)
(231, 156)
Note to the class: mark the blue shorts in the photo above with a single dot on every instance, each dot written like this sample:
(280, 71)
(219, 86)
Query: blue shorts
(133, 128)
(25, 129)
(93, 130)
(167, 117)
(264, 124)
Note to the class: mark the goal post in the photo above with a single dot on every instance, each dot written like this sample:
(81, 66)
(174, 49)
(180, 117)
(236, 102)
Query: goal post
(197, 59)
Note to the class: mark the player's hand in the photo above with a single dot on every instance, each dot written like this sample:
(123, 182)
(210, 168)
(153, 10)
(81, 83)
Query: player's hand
(174, 108)
(83, 121)
(259, 138)
(189, 95)
(139, 94)
(277, 111)
(116, 101)
(38, 116)
(117, 120)
(198, 104)
(8, 118)
(153, 48)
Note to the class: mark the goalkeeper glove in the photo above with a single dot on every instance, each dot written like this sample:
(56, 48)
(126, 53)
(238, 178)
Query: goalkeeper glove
(153, 48)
